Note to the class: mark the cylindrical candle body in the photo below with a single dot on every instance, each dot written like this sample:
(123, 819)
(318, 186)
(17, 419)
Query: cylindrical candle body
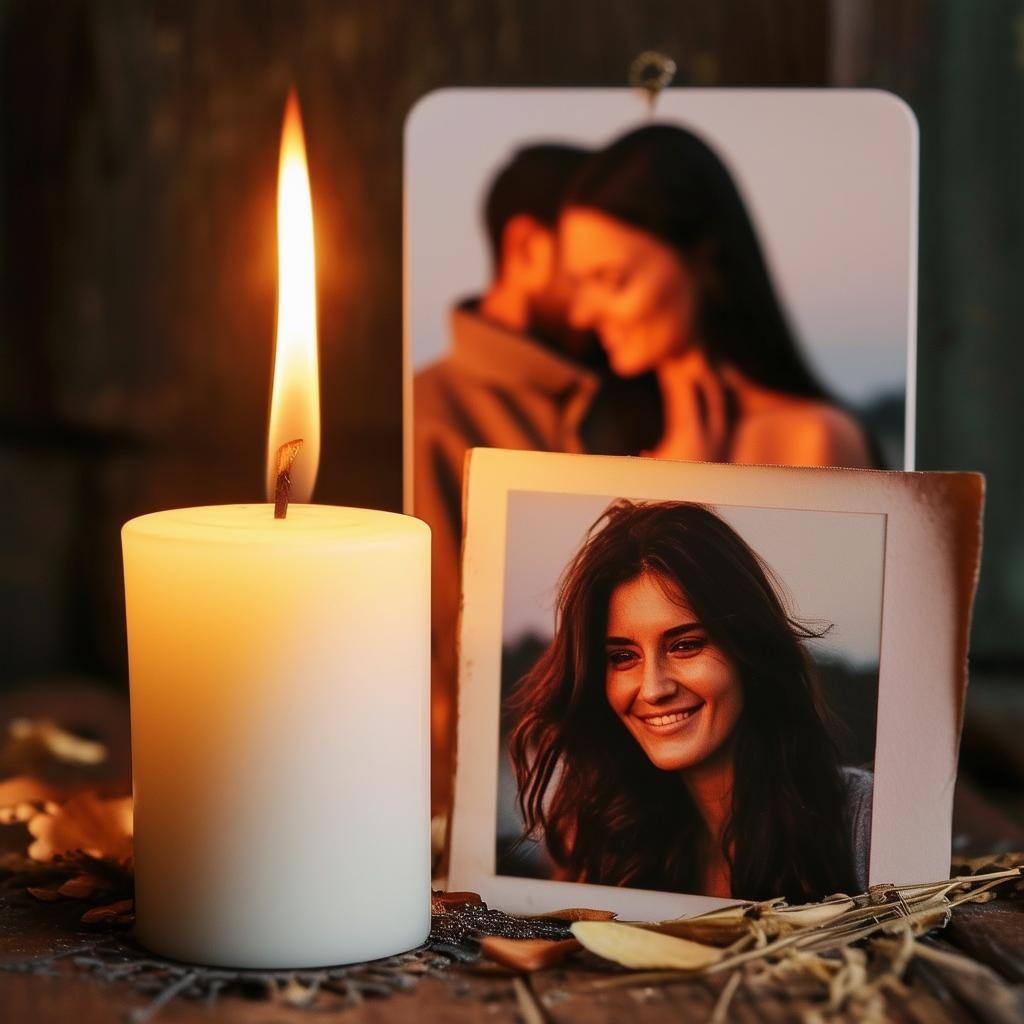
(280, 740)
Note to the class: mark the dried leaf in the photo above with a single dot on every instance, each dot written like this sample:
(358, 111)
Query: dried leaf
(573, 914)
(738, 910)
(990, 862)
(22, 796)
(17, 813)
(752, 909)
(441, 902)
(810, 915)
(710, 933)
(45, 895)
(81, 887)
(12, 862)
(527, 954)
(49, 739)
(100, 828)
(113, 913)
(716, 928)
(631, 946)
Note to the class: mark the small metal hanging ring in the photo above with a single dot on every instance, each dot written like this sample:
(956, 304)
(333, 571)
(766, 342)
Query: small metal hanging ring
(652, 71)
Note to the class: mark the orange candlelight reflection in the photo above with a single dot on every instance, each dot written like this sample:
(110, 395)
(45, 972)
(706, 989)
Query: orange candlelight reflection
(295, 396)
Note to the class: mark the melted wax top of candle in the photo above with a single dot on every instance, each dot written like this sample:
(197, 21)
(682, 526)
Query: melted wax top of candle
(255, 524)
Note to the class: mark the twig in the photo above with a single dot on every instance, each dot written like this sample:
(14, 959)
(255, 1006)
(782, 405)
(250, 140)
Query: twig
(721, 1011)
(529, 1008)
(146, 1013)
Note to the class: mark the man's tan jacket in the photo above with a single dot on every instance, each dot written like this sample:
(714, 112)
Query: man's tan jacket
(496, 389)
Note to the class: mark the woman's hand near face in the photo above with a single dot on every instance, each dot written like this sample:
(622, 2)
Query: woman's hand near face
(700, 412)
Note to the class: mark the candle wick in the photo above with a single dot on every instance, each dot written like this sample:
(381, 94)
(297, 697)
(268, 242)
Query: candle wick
(282, 491)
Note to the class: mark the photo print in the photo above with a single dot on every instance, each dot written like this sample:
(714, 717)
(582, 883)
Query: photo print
(683, 684)
(688, 673)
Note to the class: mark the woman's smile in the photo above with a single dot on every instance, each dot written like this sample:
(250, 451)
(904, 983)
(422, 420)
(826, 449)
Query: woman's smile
(670, 721)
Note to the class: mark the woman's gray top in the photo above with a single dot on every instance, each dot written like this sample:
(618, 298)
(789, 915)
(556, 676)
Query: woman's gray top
(860, 786)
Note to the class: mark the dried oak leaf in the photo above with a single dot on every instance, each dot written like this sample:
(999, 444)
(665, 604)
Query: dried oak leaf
(527, 954)
(85, 823)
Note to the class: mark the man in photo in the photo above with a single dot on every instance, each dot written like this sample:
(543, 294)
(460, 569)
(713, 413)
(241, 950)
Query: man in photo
(515, 376)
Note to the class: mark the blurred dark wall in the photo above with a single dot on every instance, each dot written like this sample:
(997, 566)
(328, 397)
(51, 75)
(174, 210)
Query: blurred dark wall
(137, 175)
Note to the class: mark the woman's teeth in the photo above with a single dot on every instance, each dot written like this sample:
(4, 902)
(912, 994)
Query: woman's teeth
(677, 716)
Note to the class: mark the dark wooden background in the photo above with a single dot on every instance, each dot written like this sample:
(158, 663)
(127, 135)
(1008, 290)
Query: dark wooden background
(137, 174)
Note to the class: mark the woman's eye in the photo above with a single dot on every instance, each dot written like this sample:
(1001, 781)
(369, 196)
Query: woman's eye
(688, 645)
(621, 659)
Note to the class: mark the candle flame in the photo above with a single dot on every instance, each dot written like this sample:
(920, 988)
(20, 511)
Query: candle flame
(295, 396)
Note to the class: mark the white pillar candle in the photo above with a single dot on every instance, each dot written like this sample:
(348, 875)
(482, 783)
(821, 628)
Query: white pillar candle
(279, 702)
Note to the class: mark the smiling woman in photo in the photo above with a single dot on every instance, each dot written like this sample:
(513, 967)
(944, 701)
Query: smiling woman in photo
(673, 735)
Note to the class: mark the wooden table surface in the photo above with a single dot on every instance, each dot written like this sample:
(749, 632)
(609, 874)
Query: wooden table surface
(982, 979)
(992, 990)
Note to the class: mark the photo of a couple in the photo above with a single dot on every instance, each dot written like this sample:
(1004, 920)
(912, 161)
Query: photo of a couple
(630, 309)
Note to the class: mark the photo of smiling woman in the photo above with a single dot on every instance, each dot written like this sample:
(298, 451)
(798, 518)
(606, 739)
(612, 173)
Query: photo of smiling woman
(673, 734)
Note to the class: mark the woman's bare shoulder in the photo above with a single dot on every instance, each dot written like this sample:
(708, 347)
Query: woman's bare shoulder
(802, 433)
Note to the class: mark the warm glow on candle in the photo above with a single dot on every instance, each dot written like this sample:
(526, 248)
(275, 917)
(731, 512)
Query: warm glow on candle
(295, 397)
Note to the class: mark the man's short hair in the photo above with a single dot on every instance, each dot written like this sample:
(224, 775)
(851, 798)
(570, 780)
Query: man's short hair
(531, 183)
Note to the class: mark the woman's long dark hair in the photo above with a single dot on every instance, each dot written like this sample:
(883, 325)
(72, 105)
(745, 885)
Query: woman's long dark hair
(666, 181)
(606, 813)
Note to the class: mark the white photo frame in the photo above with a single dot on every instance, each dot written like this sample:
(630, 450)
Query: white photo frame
(929, 567)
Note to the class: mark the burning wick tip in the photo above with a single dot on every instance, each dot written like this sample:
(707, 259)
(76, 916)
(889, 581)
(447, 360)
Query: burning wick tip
(286, 455)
